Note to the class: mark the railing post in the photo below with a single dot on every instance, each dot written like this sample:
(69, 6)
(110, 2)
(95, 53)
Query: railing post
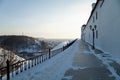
(28, 64)
(8, 70)
(0, 74)
(42, 58)
(49, 53)
(21, 67)
(25, 65)
(35, 61)
(16, 68)
(32, 62)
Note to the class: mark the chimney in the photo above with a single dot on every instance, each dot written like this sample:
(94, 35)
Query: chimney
(93, 5)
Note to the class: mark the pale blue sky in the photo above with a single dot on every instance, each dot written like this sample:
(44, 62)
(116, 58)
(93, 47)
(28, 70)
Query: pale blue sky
(44, 18)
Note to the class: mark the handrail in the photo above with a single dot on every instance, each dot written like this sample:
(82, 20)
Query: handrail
(23, 65)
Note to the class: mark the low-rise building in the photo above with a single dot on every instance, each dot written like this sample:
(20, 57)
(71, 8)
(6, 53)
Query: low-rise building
(103, 27)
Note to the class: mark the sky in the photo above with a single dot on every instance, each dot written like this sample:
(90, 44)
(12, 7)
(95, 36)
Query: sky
(44, 18)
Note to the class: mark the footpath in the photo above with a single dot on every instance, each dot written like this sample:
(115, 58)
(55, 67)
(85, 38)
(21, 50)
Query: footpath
(89, 65)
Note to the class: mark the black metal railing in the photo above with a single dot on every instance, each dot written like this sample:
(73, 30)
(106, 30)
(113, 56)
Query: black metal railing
(14, 69)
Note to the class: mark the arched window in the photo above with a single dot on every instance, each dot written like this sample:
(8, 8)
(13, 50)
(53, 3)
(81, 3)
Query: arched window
(93, 19)
(96, 34)
(96, 15)
(90, 27)
(95, 27)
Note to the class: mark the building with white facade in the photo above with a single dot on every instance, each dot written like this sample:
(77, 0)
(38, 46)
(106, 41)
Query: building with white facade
(102, 29)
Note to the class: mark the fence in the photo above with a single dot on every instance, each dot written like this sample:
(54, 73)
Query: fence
(14, 69)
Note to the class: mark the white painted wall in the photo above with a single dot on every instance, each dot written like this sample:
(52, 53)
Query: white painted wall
(108, 26)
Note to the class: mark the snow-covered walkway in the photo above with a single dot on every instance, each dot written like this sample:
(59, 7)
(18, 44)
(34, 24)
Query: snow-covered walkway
(52, 69)
(76, 63)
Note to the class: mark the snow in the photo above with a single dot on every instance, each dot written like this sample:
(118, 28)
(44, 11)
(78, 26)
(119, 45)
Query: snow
(8, 54)
(52, 69)
(1, 58)
(106, 59)
(29, 50)
(55, 68)
(68, 77)
(60, 45)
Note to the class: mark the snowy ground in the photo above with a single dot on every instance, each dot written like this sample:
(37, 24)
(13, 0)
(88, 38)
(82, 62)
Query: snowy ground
(78, 62)
(60, 45)
(52, 69)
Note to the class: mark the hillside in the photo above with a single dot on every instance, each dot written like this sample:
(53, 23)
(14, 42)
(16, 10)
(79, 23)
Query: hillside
(11, 56)
(26, 46)
(21, 43)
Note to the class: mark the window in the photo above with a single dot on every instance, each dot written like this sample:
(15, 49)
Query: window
(93, 19)
(96, 34)
(95, 27)
(90, 27)
(102, 1)
(96, 15)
